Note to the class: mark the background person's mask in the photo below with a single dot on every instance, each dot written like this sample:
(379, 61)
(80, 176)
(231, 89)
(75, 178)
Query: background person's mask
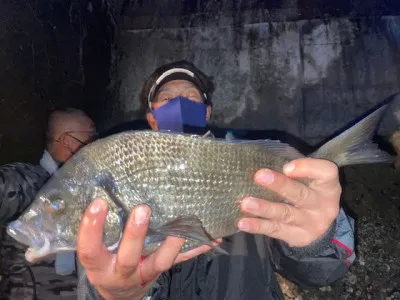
(182, 115)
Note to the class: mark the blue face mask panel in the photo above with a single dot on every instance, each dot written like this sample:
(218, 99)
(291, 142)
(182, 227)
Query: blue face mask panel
(181, 115)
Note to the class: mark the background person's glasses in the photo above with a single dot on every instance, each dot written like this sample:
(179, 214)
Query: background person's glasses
(92, 137)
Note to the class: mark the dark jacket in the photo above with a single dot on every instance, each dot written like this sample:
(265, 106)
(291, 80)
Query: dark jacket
(19, 183)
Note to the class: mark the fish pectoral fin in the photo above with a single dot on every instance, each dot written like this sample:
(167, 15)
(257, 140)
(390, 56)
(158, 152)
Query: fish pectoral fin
(188, 227)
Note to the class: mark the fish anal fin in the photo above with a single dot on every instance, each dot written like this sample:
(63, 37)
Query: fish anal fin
(190, 228)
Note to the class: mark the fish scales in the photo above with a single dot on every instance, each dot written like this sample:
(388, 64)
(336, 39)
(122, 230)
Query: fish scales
(185, 176)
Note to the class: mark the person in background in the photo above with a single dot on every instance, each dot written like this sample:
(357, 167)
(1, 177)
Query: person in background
(68, 130)
(311, 243)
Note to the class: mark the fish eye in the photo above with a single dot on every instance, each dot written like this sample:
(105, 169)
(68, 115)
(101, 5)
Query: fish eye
(55, 206)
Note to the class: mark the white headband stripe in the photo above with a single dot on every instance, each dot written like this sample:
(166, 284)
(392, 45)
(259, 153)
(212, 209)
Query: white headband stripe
(172, 71)
(165, 75)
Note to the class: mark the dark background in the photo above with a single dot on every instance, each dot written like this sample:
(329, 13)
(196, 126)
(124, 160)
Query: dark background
(306, 68)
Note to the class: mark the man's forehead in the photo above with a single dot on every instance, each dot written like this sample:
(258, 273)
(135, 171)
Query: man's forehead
(181, 83)
(74, 124)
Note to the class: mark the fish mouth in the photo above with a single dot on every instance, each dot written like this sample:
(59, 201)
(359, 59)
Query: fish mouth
(40, 244)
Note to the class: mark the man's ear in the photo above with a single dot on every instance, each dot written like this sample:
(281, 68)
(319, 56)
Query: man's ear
(209, 110)
(152, 121)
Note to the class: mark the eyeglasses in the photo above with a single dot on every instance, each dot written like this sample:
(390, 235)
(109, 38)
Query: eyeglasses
(92, 137)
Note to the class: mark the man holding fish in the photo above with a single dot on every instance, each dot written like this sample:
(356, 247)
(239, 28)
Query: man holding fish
(310, 241)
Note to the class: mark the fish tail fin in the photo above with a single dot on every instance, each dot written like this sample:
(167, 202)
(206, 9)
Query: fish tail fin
(355, 145)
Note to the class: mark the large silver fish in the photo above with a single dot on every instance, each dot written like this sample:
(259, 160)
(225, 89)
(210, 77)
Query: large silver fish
(193, 185)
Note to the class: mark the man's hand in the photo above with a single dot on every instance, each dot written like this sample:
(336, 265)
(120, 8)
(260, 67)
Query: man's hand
(124, 275)
(314, 208)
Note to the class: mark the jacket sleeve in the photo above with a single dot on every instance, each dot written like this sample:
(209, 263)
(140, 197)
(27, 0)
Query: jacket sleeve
(19, 183)
(324, 261)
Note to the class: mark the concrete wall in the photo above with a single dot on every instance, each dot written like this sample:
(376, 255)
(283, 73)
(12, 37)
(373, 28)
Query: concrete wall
(279, 69)
(39, 70)
(303, 66)
(52, 54)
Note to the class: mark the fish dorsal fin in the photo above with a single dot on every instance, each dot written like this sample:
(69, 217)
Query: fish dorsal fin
(181, 134)
(207, 134)
(274, 146)
(186, 227)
